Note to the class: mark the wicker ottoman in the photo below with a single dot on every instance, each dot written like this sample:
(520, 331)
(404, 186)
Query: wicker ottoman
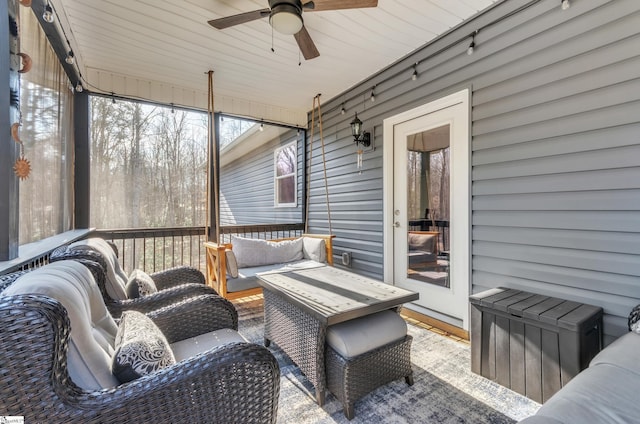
(366, 353)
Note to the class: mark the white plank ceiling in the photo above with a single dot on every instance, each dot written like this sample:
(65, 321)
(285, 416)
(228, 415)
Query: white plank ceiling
(161, 49)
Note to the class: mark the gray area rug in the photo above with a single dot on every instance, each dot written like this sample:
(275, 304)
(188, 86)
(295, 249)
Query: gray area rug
(445, 389)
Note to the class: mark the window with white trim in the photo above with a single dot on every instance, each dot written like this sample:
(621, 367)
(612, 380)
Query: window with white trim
(285, 175)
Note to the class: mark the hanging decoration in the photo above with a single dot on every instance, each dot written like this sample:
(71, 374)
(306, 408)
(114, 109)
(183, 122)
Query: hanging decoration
(21, 63)
(361, 137)
(22, 167)
(26, 63)
(15, 132)
(359, 160)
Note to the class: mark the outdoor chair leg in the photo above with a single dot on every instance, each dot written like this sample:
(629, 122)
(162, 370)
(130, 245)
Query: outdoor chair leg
(349, 411)
(409, 379)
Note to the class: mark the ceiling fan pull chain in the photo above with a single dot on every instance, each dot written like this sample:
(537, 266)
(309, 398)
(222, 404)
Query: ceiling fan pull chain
(272, 49)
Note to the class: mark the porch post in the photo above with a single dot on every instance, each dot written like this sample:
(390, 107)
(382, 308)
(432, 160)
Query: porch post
(213, 171)
(82, 187)
(215, 199)
(9, 189)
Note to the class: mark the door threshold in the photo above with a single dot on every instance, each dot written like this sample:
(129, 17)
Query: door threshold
(436, 325)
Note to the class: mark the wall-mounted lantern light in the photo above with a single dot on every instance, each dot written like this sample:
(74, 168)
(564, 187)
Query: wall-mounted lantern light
(359, 136)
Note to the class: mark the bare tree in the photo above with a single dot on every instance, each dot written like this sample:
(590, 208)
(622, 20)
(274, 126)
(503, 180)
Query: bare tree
(148, 165)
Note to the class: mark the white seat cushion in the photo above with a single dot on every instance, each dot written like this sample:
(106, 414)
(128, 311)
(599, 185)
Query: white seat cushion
(357, 336)
(190, 347)
(248, 277)
(623, 352)
(603, 393)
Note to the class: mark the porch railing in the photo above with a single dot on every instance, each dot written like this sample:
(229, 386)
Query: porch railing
(156, 249)
(262, 231)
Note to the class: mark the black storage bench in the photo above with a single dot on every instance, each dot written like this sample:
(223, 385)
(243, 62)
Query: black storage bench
(530, 343)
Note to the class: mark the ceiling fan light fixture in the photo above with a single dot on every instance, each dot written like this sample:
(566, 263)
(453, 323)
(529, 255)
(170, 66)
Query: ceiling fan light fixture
(286, 18)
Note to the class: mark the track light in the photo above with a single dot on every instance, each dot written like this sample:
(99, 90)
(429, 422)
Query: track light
(342, 110)
(261, 127)
(373, 95)
(113, 98)
(565, 4)
(414, 76)
(79, 88)
(70, 59)
(47, 16)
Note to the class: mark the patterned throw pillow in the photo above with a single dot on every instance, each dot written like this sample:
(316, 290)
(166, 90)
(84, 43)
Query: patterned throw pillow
(634, 320)
(140, 348)
(232, 264)
(140, 284)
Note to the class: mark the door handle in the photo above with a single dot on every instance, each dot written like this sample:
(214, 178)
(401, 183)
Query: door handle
(396, 224)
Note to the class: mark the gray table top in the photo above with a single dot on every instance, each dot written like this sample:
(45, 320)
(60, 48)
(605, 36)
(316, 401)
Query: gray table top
(334, 295)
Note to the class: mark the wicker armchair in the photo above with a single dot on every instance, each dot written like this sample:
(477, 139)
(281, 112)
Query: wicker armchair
(173, 285)
(216, 311)
(634, 319)
(233, 382)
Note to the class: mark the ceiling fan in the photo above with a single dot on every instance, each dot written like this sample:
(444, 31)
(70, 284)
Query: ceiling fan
(285, 16)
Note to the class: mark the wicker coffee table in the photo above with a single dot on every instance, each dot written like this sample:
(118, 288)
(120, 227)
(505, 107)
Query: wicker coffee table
(300, 305)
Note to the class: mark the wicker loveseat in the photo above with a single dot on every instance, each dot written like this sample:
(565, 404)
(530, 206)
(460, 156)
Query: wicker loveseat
(172, 285)
(235, 278)
(56, 334)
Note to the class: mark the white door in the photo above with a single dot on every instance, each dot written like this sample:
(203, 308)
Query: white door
(427, 206)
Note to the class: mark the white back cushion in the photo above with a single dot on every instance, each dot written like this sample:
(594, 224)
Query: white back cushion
(93, 330)
(232, 264)
(314, 248)
(256, 252)
(116, 277)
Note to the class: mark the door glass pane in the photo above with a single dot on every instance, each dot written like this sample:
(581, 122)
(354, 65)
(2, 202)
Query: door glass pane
(428, 206)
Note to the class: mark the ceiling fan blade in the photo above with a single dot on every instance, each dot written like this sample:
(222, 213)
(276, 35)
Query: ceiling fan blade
(307, 47)
(321, 5)
(241, 18)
